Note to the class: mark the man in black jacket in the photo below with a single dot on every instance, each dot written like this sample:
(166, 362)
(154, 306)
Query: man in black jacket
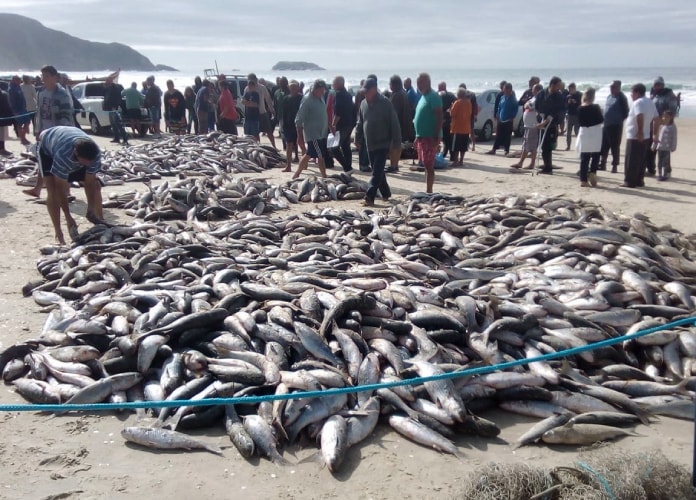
(343, 122)
(112, 104)
(549, 104)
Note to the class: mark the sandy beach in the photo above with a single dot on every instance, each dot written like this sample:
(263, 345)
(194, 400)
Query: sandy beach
(84, 456)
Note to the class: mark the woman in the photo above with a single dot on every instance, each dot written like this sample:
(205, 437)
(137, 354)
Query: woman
(190, 97)
(227, 122)
(589, 141)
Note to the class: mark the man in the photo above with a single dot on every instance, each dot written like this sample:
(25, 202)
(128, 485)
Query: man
(174, 109)
(290, 106)
(54, 108)
(498, 97)
(428, 125)
(474, 114)
(202, 106)
(153, 102)
(642, 117)
(549, 103)
(76, 104)
(343, 122)
(134, 101)
(413, 95)
(112, 103)
(377, 130)
(281, 91)
(505, 119)
(312, 127)
(363, 160)
(67, 154)
(30, 97)
(615, 112)
(529, 93)
(402, 108)
(251, 100)
(664, 100)
(18, 104)
(448, 99)
(265, 108)
(573, 101)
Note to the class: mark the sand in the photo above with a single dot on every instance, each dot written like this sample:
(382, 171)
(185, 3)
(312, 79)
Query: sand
(84, 456)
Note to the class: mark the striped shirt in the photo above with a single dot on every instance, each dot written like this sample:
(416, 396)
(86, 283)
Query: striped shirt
(59, 144)
(55, 107)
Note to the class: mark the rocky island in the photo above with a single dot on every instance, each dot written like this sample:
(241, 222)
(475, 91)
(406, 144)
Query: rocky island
(28, 44)
(296, 66)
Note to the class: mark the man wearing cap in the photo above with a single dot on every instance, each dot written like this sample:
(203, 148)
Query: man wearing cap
(428, 125)
(664, 100)
(378, 131)
(642, 118)
(312, 127)
(615, 113)
(67, 154)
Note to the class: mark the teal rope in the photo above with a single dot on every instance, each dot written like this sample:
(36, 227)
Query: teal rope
(343, 390)
(600, 478)
(30, 113)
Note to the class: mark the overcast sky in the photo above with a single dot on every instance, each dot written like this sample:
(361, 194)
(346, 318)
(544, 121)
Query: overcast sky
(398, 34)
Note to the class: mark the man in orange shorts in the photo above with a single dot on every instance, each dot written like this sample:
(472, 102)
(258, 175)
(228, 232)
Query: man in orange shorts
(428, 125)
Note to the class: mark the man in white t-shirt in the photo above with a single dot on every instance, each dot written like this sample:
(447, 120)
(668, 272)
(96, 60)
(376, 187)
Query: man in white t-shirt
(642, 116)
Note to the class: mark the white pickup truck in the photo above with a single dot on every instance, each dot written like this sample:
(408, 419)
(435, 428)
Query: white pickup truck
(91, 96)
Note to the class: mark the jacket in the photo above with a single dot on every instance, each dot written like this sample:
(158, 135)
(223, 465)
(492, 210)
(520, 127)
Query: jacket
(378, 126)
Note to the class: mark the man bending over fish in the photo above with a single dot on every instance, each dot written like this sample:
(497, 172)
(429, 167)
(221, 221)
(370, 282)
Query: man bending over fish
(67, 154)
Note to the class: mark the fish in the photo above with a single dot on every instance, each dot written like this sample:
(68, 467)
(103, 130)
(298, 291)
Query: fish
(583, 434)
(163, 439)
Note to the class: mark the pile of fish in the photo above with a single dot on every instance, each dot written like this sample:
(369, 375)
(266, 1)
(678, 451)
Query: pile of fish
(223, 196)
(332, 298)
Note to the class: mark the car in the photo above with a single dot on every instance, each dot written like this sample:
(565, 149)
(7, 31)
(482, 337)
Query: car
(484, 127)
(93, 117)
(237, 84)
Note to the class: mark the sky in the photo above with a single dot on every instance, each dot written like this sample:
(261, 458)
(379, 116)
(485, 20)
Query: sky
(399, 34)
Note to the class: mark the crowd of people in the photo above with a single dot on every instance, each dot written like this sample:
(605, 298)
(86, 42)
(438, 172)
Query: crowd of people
(323, 124)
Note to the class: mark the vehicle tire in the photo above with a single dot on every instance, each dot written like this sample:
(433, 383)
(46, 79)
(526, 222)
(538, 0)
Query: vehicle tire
(94, 125)
(143, 130)
(487, 131)
(519, 131)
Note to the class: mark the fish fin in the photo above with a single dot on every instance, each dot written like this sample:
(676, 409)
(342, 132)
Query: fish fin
(280, 461)
(213, 449)
(460, 456)
(314, 457)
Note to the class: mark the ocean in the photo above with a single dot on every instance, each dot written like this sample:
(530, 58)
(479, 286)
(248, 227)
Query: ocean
(681, 80)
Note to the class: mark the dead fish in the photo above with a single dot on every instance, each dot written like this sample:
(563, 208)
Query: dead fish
(163, 439)
(583, 434)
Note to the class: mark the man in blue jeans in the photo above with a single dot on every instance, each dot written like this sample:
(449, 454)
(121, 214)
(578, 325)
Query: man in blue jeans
(377, 131)
(112, 104)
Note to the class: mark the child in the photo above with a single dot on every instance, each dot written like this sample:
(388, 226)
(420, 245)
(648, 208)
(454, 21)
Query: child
(460, 126)
(665, 143)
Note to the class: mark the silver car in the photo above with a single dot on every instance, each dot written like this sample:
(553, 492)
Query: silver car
(484, 125)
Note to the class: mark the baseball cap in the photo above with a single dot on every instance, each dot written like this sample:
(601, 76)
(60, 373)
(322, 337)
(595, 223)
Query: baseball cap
(294, 82)
(370, 83)
(659, 80)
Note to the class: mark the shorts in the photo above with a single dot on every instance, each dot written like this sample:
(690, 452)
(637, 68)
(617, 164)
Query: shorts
(176, 126)
(427, 149)
(317, 148)
(290, 135)
(156, 113)
(531, 140)
(265, 124)
(46, 164)
(460, 143)
(132, 114)
(251, 127)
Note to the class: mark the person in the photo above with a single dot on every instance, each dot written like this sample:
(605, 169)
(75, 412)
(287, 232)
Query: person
(413, 95)
(428, 125)
(153, 102)
(665, 143)
(641, 118)
(202, 108)
(448, 99)
(112, 102)
(664, 100)
(54, 108)
(530, 119)
(312, 127)
(343, 122)
(363, 160)
(252, 114)
(76, 104)
(67, 154)
(281, 91)
(19, 109)
(290, 106)
(549, 103)
(615, 113)
(190, 97)
(6, 119)
(402, 108)
(29, 91)
(174, 109)
(572, 100)
(227, 122)
(589, 138)
(505, 119)
(460, 126)
(498, 97)
(474, 113)
(134, 101)
(265, 108)
(528, 94)
(377, 130)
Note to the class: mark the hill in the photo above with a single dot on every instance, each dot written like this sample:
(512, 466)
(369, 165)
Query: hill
(296, 66)
(26, 43)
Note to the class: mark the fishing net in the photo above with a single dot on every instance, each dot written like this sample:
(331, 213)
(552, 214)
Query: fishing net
(597, 475)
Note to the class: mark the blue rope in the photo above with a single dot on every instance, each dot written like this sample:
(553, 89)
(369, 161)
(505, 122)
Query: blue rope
(30, 113)
(600, 478)
(343, 390)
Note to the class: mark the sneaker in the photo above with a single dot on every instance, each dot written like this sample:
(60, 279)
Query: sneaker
(661, 178)
(365, 169)
(116, 141)
(391, 169)
(546, 172)
(368, 203)
(491, 152)
(592, 177)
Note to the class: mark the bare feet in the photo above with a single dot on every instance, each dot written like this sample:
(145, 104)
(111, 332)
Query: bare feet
(288, 169)
(90, 216)
(295, 175)
(32, 192)
(60, 239)
(515, 165)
